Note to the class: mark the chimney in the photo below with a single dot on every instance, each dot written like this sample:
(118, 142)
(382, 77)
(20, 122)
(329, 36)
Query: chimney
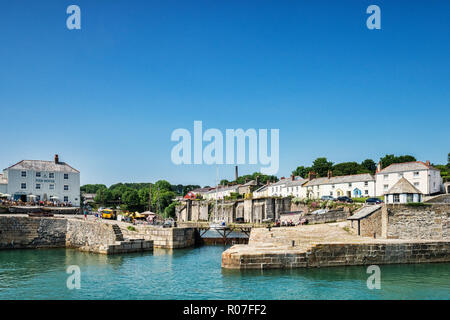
(292, 177)
(427, 163)
(236, 172)
(379, 166)
(56, 159)
(257, 180)
(311, 175)
(329, 174)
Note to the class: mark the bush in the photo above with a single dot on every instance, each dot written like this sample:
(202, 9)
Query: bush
(131, 228)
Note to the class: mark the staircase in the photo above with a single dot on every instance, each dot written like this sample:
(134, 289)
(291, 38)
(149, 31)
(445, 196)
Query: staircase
(118, 233)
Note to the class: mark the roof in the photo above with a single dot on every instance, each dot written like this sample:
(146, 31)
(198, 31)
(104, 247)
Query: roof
(406, 166)
(263, 188)
(224, 188)
(298, 182)
(202, 190)
(42, 165)
(364, 212)
(403, 186)
(341, 179)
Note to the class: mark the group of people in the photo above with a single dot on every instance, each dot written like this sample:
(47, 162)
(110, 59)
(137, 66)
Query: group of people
(48, 203)
(290, 223)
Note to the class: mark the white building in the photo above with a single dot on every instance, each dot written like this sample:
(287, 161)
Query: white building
(293, 187)
(352, 186)
(3, 184)
(45, 180)
(421, 175)
(221, 192)
(275, 189)
(403, 192)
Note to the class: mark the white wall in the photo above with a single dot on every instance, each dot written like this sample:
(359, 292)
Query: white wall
(427, 181)
(15, 180)
(367, 189)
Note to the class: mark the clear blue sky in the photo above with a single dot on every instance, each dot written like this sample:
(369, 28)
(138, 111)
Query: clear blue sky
(107, 97)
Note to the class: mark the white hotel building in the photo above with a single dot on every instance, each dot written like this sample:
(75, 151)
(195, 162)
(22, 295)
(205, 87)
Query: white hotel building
(45, 180)
(422, 176)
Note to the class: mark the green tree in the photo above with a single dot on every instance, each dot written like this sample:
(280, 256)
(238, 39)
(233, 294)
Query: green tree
(302, 171)
(131, 200)
(169, 211)
(389, 159)
(321, 166)
(369, 165)
(345, 168)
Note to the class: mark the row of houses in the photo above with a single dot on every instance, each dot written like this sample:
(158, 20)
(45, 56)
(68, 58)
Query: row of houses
(421, 178)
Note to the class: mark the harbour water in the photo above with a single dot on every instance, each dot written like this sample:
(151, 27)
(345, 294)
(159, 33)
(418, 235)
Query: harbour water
(196, 274)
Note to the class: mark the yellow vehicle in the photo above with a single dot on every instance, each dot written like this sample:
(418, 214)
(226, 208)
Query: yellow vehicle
(108, 214)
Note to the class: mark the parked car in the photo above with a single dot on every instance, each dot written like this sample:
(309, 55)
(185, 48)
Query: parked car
(327, 198)
(345, 199)
(374, 201)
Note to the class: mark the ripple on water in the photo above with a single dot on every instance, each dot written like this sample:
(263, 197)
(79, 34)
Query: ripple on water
(196, 274)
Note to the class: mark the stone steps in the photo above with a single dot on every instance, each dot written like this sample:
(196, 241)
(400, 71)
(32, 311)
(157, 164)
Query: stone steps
(117, 232)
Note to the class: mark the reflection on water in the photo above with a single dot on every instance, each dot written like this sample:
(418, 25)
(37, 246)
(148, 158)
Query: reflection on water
(196, 274)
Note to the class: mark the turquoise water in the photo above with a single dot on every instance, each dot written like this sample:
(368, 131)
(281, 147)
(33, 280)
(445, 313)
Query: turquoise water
(196, 274)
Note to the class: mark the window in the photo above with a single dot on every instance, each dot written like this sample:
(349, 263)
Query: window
(386, 186)
(66, 176)
(331, 193)
(400, 175)
(350, 185)
(386, 176)
(23, 186)
(51, 186)
(24, 173)
(66, 187)
(416, 173)
(38, 174)
(409, 197)
(66, 199)
(332, 186)
(416, 184)
(38, 186)
(366, 192)
(51, 175)
(366, 183)
(396, 198)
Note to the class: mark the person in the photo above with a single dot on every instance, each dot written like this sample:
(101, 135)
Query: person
(85, 214)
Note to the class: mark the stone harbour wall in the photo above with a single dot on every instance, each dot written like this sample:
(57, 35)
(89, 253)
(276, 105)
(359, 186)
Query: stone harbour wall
(19, 232)
(26, 232)
(341, 254)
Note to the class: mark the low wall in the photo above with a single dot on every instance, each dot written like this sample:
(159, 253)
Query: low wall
(416, 221)
(168, 238)
(330, 216)
(25, 232)
(341, 254)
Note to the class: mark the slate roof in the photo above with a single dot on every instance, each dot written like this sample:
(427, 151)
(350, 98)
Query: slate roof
(364, 212)
(340, 179)
(403, 186)
(406, 166)
(42, 165)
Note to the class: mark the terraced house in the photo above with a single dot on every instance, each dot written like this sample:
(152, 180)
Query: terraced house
(353, 186)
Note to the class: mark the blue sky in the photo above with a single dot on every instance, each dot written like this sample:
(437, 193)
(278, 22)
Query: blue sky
(107, 97)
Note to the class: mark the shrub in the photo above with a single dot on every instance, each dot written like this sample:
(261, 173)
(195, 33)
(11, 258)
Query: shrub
(131, 228)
